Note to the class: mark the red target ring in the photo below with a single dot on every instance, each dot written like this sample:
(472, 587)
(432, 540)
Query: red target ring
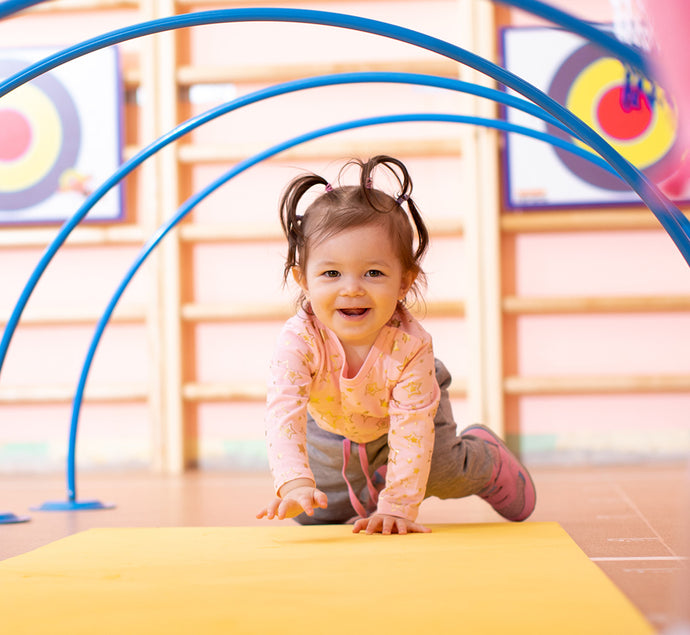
(620, 122)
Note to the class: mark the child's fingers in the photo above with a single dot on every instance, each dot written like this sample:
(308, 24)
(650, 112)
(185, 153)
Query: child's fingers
(294, 504)
(381, 523)
(320, 499)
(283, 509)
(360, 523)
(388, 524)
(306, 504)
(401, 526)
(269, 511)
(374, 525)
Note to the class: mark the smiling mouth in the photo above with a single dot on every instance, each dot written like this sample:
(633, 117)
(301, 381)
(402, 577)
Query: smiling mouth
(353, 312)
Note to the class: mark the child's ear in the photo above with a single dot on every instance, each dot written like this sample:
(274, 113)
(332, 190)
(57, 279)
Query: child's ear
(407, 282)
(299, 278)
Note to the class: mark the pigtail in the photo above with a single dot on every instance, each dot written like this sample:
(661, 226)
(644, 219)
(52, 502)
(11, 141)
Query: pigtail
(291, 221)
(404, 180)
(422, 231)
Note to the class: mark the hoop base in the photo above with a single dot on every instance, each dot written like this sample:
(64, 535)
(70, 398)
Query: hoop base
(8, 518)
(70, 506)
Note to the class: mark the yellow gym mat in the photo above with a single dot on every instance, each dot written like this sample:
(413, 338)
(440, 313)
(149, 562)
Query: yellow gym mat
(470, 579)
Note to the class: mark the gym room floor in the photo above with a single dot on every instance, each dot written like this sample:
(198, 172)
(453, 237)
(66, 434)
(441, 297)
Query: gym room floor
(630, 520)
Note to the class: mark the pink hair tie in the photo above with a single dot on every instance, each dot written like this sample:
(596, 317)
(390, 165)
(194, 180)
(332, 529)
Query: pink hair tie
(402, 198)
(329, 187)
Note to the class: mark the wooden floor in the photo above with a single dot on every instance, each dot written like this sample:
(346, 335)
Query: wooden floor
(629, 520)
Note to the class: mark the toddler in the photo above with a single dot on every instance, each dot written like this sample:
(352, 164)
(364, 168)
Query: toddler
(358, 422)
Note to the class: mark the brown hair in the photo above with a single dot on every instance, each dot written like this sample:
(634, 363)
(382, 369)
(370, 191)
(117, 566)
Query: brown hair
(343, 207)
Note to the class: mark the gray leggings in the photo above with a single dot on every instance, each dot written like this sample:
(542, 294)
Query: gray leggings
(460, 466)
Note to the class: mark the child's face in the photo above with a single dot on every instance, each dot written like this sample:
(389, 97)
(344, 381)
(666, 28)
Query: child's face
(353, 281)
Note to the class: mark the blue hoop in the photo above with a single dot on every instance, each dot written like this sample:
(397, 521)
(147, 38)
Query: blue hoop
(8, 7)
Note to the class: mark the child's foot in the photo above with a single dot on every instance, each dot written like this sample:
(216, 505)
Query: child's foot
(511, 490)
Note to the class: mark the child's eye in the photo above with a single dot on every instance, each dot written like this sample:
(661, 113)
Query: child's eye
(331, 273)
(374, 273)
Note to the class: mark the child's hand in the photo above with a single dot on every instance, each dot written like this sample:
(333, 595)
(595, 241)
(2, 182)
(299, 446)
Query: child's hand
(385, 524)
(301, 498)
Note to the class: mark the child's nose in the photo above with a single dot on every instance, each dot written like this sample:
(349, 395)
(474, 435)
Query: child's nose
(352, 285)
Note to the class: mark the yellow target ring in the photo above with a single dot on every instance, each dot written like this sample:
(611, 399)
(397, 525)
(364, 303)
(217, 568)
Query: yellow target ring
(47, 138)
(583, 100)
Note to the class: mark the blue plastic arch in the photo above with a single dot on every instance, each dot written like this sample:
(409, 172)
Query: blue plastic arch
(8, 7)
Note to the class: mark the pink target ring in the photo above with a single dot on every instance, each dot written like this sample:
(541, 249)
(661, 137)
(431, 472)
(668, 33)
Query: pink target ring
(15, 134)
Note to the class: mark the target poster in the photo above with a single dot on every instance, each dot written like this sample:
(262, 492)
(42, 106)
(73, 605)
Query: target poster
(592, 85)
(60, 137)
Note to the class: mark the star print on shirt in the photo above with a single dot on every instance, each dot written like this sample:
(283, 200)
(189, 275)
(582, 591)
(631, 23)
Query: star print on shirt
(292, 376)
(413, 439)
(373, 389)
(288, 430)
(413, 388)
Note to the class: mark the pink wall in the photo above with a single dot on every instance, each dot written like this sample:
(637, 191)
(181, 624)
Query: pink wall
(563, 427)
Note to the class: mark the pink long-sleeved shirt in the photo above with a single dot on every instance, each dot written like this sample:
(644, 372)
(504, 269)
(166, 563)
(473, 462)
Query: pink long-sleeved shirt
(394, 392)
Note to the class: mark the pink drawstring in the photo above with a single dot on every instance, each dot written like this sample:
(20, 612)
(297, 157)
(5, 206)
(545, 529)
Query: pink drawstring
(364, 462)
